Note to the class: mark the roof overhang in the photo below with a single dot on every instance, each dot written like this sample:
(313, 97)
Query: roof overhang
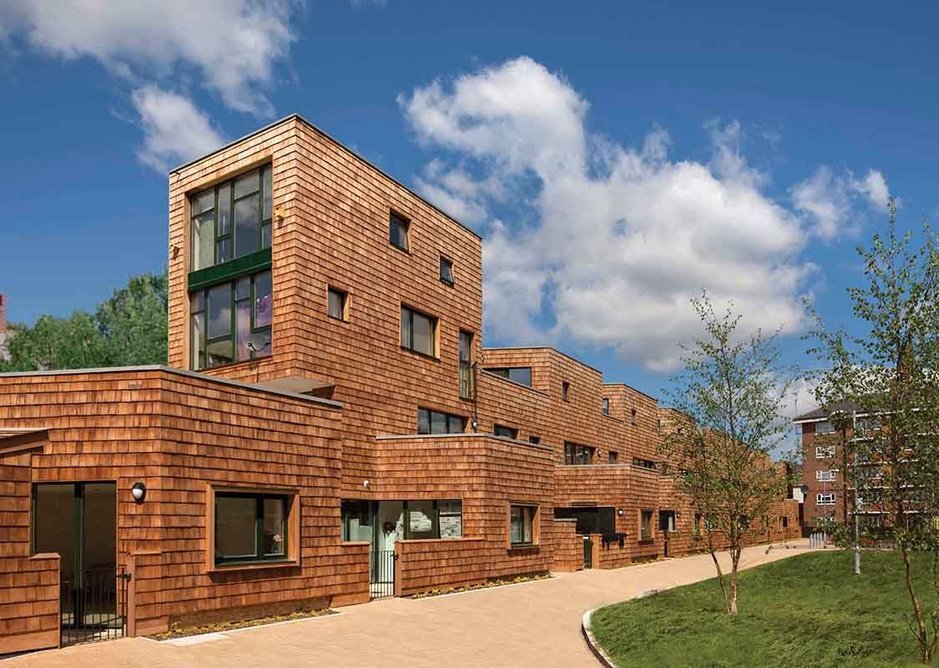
(13, 441)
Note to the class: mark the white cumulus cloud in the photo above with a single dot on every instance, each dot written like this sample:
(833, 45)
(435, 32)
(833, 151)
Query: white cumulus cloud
(175, 131)
(829, 199)
(607, 242)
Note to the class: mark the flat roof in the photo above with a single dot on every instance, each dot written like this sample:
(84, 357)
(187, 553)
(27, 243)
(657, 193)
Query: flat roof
(337, 143)
(329, 403)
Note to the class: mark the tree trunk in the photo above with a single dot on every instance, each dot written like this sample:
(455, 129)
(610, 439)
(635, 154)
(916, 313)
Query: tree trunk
(732, 599)
(717, 566)
(920, 632)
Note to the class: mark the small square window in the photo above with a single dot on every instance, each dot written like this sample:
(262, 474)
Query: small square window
(446, 271)
(399, 232)
(565, 391)
(613, 457)
(534, 440)
(337, 303)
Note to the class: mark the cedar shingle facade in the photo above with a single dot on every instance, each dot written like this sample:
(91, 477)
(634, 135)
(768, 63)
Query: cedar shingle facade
(325, 421)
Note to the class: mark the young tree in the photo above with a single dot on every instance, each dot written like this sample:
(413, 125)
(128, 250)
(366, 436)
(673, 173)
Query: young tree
(889, 373)
(732, 391)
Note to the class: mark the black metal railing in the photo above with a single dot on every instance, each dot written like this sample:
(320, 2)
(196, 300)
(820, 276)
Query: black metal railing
(382, 580)
(93, 605)
(588, 552)
(467, 381)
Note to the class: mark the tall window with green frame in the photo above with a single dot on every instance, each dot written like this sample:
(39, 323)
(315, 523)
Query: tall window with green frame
(232, 219)
(231, 322)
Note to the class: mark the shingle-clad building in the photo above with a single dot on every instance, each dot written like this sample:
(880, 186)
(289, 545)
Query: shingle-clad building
(329, 428)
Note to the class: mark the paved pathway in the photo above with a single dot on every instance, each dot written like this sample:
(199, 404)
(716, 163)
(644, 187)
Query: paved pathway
(531, 624)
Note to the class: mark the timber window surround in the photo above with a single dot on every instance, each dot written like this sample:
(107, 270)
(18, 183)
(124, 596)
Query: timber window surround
(231, 220)
(251, 527)
(437, 422)
(337, 303)
(398, 232)
(523, 525)
(574, 453)
(645, 526)
(231, 322)
(520, 374)
(418, 332)
(446, 271)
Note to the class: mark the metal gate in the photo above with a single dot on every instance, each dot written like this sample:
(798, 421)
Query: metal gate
(588, 552)
(93, 605)
(382, 580)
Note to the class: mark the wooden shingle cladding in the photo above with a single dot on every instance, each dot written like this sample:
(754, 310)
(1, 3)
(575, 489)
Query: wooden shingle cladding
(488, 474)
(334, 230)
(180, 434)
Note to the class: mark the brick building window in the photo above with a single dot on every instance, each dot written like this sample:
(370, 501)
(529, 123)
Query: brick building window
(507, 432)
(825, 476)
(436, 422)
(824, 452)
(827, 499)
(250, 527)
(574, 453)
(824, 428)
(534, 440)
(522, 521)
(231, 220)
(644, 463)
(418, 332)
(605, 406)
(645, 525)
(398, 231)
(231, 322)
(565, 391)
(337, 301)
(446, 270)
(613, 457)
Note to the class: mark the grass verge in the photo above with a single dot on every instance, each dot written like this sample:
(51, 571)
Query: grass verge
(808, 610)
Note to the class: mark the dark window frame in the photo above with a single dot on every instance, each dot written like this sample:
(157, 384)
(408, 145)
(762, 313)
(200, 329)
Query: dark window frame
(565, 391)
(409, 312)
(449, 419)
(645, 526)
(576, 454)
(505, 431)
(343, 303)
(605, 405)
(612, 457)
(534, 440)
(199, 306)
(259, 556)
(396, 220)
(467, 379)
(448, 263)
(647, 464)
(529, 516)
(508, 371)
(265, 217)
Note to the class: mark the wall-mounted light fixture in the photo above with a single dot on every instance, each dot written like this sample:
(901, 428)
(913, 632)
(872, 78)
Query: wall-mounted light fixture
(139, 491)
(620, 512)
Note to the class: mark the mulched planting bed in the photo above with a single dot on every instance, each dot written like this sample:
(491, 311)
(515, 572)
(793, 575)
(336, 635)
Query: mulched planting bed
(176, 631)
(482, 585)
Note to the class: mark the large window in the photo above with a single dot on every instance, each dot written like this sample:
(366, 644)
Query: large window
(250, 527)
(231, 322)
(357, 520)
(574, 453)
(667, 520)
(520, 374)
(507, 432)
(522, 525)
(418, 332)
(231, 220)
(644, 463)
(435, 422)
(824, 451)
(590, 519)
(645, 525)
(825, 476)
(824, 428)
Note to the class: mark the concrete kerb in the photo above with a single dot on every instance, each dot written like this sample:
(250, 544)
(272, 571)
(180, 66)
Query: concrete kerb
(592, 644)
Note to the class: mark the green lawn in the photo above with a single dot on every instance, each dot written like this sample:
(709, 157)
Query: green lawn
(809, 610)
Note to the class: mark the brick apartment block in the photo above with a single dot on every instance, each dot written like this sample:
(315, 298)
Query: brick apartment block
(330, 428)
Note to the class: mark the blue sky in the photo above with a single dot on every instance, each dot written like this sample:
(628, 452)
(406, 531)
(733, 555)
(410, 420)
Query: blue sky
(698, 145)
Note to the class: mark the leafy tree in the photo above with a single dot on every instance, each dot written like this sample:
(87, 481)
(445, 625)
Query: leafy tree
(732, 391)
(128, 329)
(889, 373)
(133, 322)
